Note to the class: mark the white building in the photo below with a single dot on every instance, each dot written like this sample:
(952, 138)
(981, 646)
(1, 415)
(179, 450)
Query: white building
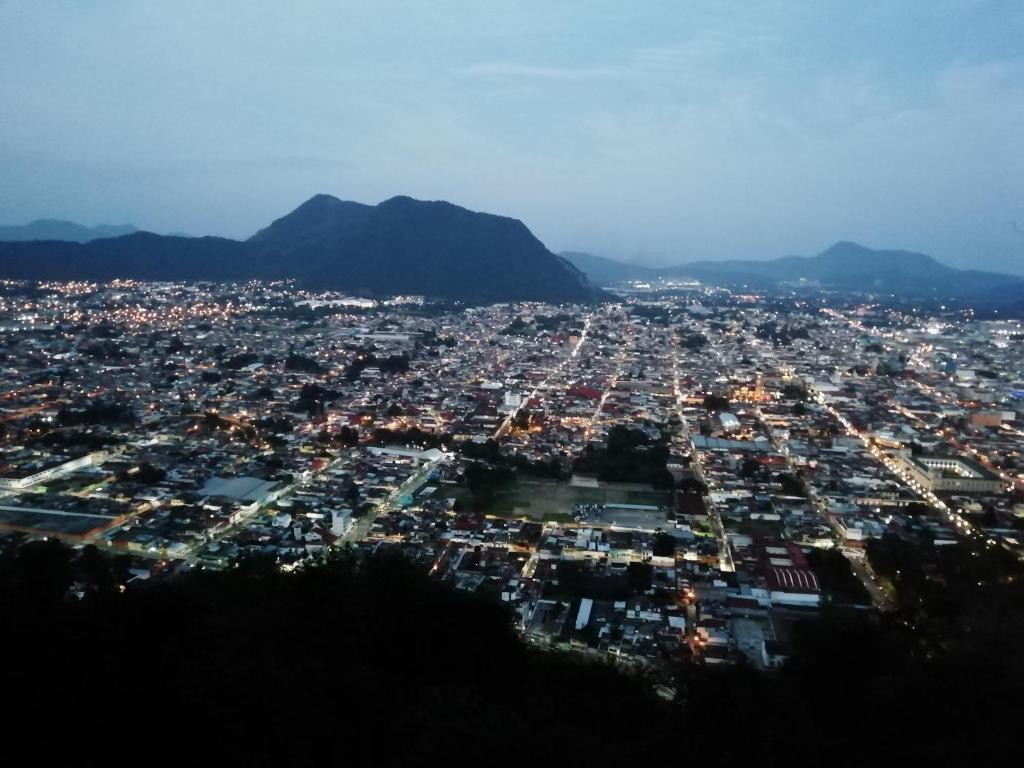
(46, 472)
(951, 473)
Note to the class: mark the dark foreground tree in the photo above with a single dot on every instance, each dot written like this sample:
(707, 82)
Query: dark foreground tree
(339, 664)
(372, 663)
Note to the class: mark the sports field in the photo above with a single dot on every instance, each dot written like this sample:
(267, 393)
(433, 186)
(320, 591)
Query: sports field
(552, 500)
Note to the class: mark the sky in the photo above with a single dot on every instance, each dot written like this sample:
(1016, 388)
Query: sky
(654, 132)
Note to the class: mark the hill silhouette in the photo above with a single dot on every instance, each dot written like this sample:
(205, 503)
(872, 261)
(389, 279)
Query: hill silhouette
(370, 662)
(59, 229)
(844, 265)
(401, 246)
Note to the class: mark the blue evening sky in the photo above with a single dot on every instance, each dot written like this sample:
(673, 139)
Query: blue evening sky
(651, 131)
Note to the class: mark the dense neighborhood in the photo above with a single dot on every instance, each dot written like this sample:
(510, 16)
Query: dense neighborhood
(679, 477)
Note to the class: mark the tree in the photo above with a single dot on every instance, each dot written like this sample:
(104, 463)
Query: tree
(662, 480)
(347, 436)
(148, 474)
(837, 578)
(522, 419)
(791, 486)
(691, 484)
(664, 544)
(694, 341)
(42, 572)
(352, 495)
(794, 391)
(916, 509)
(716, 403)
(301, 364)
(94, 569)
(638, 576)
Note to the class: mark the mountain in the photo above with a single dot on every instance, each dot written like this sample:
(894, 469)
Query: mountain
(854, 267)
(845, 265)
(58, 229)
(140, 255)
(602, 271)
(401, 246)
(321, 220)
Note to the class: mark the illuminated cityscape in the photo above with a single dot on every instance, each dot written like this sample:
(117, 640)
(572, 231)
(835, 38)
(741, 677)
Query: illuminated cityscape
(675, 477)
(580, 384)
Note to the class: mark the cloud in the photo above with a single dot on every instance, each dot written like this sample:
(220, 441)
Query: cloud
(723, 131)
(503, 69)
(644, 61)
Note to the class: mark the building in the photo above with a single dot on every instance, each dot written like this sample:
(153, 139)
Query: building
(952, 474)
(243, 490)
(793, 586)
(25, 476)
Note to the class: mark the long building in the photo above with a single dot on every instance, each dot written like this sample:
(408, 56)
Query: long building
(951, 473)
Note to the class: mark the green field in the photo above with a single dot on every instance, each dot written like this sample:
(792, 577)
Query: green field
(555, 501)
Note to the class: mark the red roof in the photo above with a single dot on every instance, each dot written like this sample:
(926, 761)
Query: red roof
(792, 580)
(797, 556)
(468, 522)
(588, 392)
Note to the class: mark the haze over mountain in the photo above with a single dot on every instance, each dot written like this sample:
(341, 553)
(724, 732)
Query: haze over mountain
(401, 246)
(59, 229)
(604, 271)
(844, 265)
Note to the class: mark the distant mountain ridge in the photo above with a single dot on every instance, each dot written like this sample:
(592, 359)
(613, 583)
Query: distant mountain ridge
(400, 246)
(59, 229)
(845, 265)
(437, 249)
(604, 271)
